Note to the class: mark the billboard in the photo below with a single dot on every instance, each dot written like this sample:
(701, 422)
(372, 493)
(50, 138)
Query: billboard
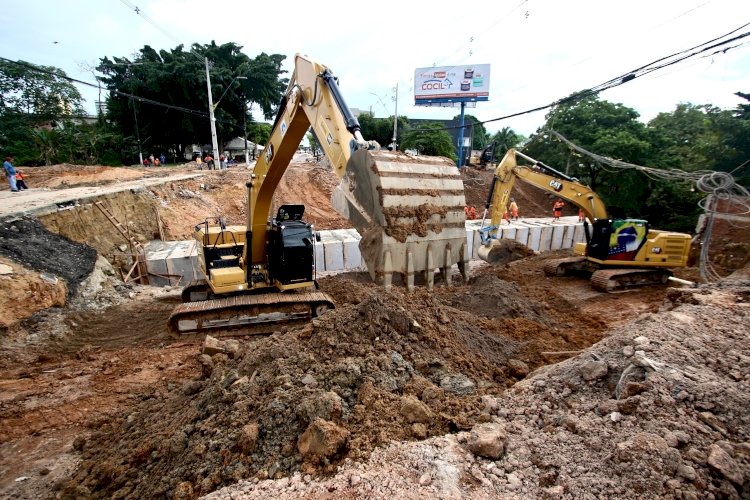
(466, 83)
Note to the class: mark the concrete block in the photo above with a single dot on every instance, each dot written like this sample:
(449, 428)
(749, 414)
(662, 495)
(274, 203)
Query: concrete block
(522, 235)
(567, 241)
(507, 232)
(333, 251)
(580, 233)
(535, 236)
(470, 241)
(320, 260)
(545, 241)
(557, 236)
(352, 256)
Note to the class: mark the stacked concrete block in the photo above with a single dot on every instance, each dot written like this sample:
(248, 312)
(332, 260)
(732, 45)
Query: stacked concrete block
(172, 262)
(339, 251)
(558, 233)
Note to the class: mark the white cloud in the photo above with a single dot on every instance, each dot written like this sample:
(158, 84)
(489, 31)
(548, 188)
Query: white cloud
(557, 49)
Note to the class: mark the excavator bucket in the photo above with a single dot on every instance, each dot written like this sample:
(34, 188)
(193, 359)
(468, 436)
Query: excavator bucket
(409, 212)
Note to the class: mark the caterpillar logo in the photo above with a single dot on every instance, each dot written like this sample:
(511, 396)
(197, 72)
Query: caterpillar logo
(269, 153)
(556, 185)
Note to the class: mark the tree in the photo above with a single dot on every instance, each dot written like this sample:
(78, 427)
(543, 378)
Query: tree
(33, 99)
(613, 130)
(476, 130)
(430, 139)
(504, 140)
(177, 78)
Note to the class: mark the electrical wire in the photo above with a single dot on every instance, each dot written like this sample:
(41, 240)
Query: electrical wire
(718, 186)
(658, 64)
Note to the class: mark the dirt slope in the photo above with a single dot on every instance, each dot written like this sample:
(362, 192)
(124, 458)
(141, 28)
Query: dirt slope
(383, 396)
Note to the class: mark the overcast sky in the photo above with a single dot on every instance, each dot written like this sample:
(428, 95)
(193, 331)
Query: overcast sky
(539, 50)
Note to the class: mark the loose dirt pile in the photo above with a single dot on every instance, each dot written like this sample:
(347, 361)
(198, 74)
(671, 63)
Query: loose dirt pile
(394, 366)
(657, 409)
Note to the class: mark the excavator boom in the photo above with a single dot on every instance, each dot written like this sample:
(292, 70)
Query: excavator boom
(408, 210)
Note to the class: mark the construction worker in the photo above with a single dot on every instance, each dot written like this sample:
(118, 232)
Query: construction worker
(505, 215)
(557, 209)
(20, 183)
(581, 215)
(466, 211)
(513, 209)
(473, 212)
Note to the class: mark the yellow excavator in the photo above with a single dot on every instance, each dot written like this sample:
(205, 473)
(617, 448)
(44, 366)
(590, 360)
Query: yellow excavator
(617, 253)
(408, 210)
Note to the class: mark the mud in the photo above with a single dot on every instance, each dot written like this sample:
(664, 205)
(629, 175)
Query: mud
(26, 241)
(378, 397)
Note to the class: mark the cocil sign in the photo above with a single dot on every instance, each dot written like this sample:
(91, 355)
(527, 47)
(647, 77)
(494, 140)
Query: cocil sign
(468, 82)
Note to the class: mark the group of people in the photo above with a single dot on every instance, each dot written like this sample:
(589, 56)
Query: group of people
(557, 207)
(155, 161)
(16, 178)
(511, 211)
(210, 163)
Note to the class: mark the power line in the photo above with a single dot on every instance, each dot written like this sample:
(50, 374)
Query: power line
(655, 65)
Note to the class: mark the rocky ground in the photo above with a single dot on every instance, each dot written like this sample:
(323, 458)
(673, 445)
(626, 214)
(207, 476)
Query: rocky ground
(511, 385)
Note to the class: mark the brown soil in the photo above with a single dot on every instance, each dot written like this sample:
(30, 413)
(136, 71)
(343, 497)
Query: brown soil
(99, 401)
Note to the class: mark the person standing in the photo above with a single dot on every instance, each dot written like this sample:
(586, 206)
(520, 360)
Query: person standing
(10, 173)
(581, 215)
(557, 209)
(513, 209)
(20, 182)
(222, 162)
(162, 158)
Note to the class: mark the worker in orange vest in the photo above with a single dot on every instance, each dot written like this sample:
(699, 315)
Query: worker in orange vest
(513, 209)
(581, 215)
(473, 212)
(20, 183)
(557, 209)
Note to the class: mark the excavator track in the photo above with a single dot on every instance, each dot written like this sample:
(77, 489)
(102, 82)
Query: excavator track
(564, 266)
(613, 280)
(248, 314)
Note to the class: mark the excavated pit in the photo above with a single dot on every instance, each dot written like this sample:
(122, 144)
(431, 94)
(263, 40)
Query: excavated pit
(102, 403)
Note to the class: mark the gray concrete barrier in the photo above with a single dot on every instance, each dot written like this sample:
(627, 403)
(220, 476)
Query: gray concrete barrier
(338, 249)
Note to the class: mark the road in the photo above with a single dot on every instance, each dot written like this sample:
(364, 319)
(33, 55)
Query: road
(40, 201)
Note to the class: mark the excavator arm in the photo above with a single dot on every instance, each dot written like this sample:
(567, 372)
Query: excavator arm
(408, 210)
(619, 253)
(557, 183)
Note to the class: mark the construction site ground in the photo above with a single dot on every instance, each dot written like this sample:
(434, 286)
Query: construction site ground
(512, 385)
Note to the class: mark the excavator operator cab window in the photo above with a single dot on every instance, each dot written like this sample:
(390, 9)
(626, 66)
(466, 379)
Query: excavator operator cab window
(290, 212)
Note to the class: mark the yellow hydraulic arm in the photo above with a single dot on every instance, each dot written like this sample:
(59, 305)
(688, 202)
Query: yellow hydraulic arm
(310, 100)
(408, 210)
(558, 184)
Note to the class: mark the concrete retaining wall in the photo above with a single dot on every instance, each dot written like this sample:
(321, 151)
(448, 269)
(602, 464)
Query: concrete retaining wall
(338, 249)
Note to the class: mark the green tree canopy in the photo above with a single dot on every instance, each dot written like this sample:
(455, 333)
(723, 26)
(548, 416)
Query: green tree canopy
(614, 130)
(35, 103)
(505, 139)
(430, 139)
(178, 79)
(381, 129)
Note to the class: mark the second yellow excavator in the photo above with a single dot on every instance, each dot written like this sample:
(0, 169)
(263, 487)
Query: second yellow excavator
(617, 253)
(408, 210)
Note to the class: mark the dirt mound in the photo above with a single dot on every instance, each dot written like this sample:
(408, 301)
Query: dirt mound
(395, 366)
(655, 410)
(27, 241)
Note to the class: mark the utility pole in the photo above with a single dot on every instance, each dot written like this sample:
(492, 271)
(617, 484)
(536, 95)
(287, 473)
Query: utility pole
(244, 128)
(395, 118)
(214, 141)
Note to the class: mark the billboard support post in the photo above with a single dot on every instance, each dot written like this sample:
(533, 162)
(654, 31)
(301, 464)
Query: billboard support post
(461, 137)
